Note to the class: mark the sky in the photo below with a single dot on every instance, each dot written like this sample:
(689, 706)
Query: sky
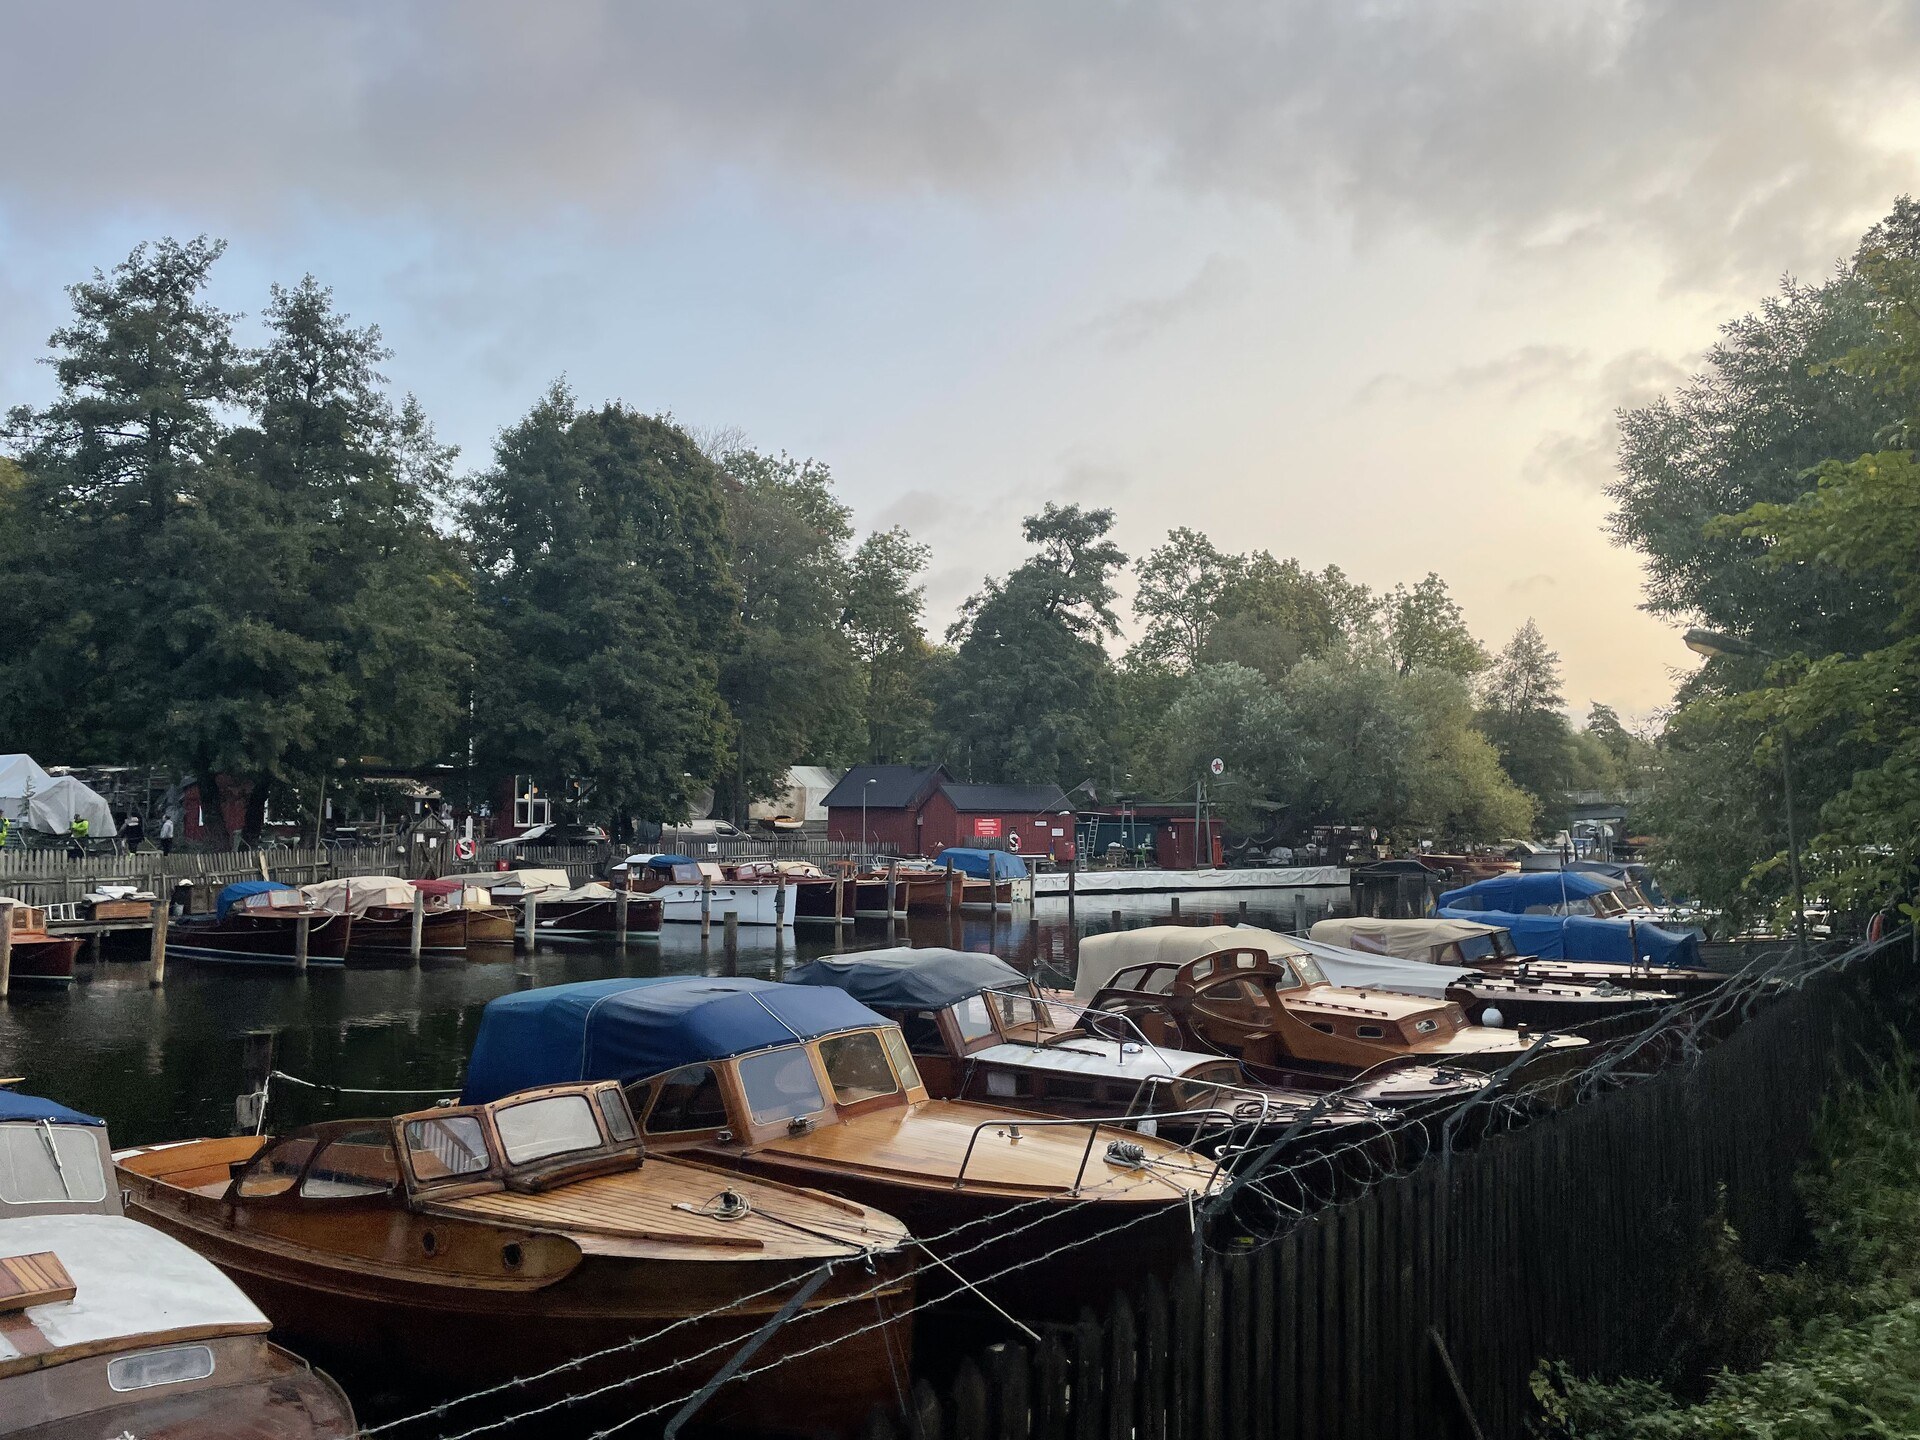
(1362, 283)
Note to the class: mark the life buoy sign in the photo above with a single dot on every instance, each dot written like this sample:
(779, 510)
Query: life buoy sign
(1013, 841)
(464, 849)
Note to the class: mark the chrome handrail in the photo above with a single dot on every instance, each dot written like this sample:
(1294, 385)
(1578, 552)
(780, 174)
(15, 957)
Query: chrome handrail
(1015, 1122)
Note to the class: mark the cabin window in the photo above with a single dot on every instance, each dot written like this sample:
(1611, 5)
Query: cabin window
(446, 1147)
(160, 1367)
(359, 1162)
(44, 1164)
(619, 1119)
(1003, 1084)
(1309, 971)
(1059, 1087)
(922, 1029)
(277, 1171)
(687, 1099)
(780, 1084)
(857, 1066)
(555, 1125)
(974, 1021)
(1372, 1032)
(1425, 1027)
(903, 1065)
(1019, 1010)
(1323, 1026)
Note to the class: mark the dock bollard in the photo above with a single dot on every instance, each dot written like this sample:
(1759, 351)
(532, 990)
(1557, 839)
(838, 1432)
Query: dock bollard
(529, 917)
(621, 900)
(302, 929)
(706, 905)
(1176, 909)
(157, 943)
(6, 949)
(731, 922)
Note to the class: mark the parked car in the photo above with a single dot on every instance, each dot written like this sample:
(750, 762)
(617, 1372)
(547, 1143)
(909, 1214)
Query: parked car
(559, 832)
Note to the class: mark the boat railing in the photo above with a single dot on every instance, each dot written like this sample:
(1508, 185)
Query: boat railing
(1014, 1124)
(1083, 1011)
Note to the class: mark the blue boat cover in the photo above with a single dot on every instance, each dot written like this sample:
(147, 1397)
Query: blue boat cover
(1590, 937)
(667, 862)
(985, 864)
(1521, 890)
(15, 1106)
(233, 894)
(628, 1029)
(903, 978)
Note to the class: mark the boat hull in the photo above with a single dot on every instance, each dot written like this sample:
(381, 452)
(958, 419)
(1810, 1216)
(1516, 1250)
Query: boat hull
(595, 919)
(242, 939)
(386, 931)
(753, 904)
(44, 959)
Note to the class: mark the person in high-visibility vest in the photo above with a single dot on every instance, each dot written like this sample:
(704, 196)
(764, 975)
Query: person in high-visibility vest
(6, 831)
(77, 834)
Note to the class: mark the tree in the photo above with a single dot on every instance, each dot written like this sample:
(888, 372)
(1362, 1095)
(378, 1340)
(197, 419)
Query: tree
(1030, 688)
(1232, 713)
(1424, 627)
(884, 606)
(601, 544)
(1178, 598)
(792, 685)
(1521, 714)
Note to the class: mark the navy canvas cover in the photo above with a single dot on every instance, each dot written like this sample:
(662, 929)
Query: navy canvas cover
(628, 1029)
(984, 864)
(903, 978)
(233, 894)
(15, 1106)
(1591, 937)
(1521, 890)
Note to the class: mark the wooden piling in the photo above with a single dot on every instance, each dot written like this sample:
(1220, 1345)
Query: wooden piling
(1116, 920)
(1243, 912)
(419, 930)
(840, 915)
(1176, 909)
(951, 903)
(706, 905)
(730, 924)
(529, 917)
(6, 948)
(157, 943)
(301, 928)
(1299, 912)
(895, 910)
(622, 899)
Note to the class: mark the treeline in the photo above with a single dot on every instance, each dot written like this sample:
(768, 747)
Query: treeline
(259, 564)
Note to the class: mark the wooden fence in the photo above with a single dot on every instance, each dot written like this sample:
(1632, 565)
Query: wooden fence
(1421, 1308)
(51, 877)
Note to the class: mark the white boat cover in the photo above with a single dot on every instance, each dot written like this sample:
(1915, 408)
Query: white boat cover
(592, 890)
(130, 1281)
(1409, 939)
(357, 894)
(526, 882)
(32, 798)
(1101, 956)
(1121, 882)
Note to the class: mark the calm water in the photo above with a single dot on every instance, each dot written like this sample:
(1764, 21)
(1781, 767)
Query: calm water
(167, 1064)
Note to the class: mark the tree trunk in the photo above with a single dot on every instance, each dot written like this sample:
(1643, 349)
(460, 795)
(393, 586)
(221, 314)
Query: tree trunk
(256, 811)
(213, 808)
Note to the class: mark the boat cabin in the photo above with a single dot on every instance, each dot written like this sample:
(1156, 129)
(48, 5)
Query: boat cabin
(1491, 949)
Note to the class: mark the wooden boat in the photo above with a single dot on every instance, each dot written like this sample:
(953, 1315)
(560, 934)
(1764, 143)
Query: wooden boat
(38, 956)
(808, 1086)
(980, 1030)
(110, 1328)
(1258, 995)
(1489, 949)
(256, 922)
(686, 890)
(591, 912)
(381, 908)
(1577, 915)
(461, 1247)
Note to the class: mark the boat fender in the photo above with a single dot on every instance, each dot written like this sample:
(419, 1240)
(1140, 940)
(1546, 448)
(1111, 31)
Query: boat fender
(1492, 1018)
(1126, 1154)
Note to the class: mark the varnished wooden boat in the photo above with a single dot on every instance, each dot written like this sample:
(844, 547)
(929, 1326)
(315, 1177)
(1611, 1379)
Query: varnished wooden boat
(591, 912)
(454, 916)
(810, 1087)
(979, 1030)
(256, 922)
(38, 956)
(1257, 995)
(459, 1248)
(108, 1328)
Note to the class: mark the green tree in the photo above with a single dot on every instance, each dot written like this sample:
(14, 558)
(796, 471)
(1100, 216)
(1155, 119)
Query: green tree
(1522, 715)
(1030, 688)
(601, 544)
(885, 605)
(1425, 627)
(1271, 614)
(1178, 597)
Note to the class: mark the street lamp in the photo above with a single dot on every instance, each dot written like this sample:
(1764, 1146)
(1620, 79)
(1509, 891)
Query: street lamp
(1711, 643)
(863, 816)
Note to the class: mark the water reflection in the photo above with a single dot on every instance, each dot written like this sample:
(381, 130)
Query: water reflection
(166, 1064)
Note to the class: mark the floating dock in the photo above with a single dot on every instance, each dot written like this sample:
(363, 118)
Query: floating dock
(1148, 882)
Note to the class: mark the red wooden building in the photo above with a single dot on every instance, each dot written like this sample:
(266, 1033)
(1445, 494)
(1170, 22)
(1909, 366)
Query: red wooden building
(921, 810)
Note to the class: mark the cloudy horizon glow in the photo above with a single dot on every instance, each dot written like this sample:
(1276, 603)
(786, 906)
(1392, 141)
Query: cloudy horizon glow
(1358, 284)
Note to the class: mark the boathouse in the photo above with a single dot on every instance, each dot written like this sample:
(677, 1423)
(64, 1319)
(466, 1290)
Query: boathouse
(921, 810)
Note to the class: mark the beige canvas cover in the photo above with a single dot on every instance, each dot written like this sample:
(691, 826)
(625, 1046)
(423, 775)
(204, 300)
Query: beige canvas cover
(1407, 939)
(592, 890)
(1101, 956)
(527, 882)
(356, 895)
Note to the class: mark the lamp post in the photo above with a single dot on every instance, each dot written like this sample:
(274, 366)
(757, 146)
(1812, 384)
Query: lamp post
(1711, 643)
(863, 816)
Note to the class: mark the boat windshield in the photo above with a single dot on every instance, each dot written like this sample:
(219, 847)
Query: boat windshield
(447, 1147)
(1608, 903)
(688, 874)
(780, 1084)
(972, 1017)
(1469, 948)
(1019, 1010)
(1308, 969)
(857, 1066)
(42, 1163)
(552, 1125)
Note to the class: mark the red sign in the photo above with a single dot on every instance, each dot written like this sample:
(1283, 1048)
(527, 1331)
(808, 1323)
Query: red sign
(986, 829)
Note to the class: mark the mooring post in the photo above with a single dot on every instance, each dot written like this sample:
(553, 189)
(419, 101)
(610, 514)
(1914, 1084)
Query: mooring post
(1176, 909)
(622, 899)
(706, 905)
(302, 928)
(779, 905)
(895, 910)
(529, 917)
(840, 884)
(950, 901)
(1243, 913)
(6, 949)
(1116, 920)
(730, 922)
(157, 942)
(418, 933)
(1299, 912)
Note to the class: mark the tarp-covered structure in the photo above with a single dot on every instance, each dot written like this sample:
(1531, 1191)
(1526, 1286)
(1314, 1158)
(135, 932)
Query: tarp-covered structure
(33, 798)
(359, 894)
(528, 882)
(1614, 938)
(241, 891)
(1408, 939)
(984, 864)
(1519, 891)
(628, 1029)
(903, 978)
(15, 1106)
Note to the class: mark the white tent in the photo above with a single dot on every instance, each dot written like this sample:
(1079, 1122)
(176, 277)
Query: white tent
(29, 796)
(802, 799)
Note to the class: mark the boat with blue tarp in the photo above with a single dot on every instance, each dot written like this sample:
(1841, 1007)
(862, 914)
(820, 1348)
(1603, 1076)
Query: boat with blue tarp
(1570, 915)
(258, 922)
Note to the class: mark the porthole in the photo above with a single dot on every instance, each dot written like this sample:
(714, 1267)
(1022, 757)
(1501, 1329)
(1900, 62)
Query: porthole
(430, 1242)
(511, 1255)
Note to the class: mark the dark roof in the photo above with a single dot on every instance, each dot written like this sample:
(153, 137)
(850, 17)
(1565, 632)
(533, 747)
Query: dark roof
(905, 978)
(1034, 798)
(894, 787)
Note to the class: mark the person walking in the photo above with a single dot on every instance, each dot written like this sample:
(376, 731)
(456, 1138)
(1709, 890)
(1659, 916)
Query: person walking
(133, 830)
(166, 833)
(77, 837)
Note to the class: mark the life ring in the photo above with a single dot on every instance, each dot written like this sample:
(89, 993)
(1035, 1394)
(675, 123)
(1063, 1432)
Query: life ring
(464, 849)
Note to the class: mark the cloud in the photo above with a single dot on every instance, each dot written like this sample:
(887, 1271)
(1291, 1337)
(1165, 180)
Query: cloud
(1585, 457)
(1510, 375)
(1219, 281)
(1729, 136)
